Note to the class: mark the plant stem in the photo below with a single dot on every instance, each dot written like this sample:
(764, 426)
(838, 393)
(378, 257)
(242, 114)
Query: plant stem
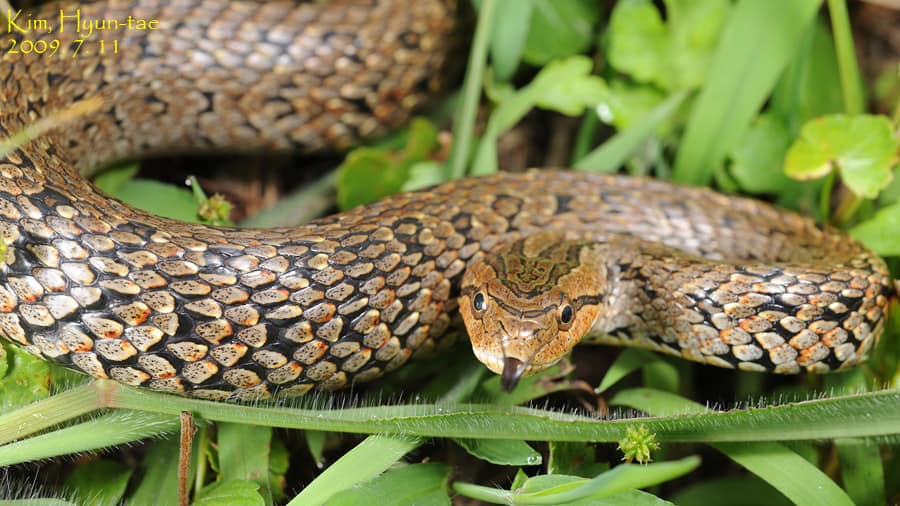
(846, 56)
(46, 413)
(585, 138)
(465, 119)
(184, 456)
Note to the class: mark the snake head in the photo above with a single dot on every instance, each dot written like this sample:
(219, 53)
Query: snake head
(527, 305)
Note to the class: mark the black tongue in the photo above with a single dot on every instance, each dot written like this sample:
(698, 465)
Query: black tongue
(512, 372)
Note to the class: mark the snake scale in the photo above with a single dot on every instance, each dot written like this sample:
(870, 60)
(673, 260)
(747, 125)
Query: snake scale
(534, 261)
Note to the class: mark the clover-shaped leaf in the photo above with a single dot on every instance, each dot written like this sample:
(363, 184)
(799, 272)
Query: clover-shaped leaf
(674, 54)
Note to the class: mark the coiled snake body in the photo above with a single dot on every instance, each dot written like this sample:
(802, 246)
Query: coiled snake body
(548, 256)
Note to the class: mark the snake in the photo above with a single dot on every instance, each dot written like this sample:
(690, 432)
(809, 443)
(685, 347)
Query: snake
(532, 263)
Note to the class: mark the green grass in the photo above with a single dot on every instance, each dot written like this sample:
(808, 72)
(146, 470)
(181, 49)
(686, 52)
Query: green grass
(712, 93)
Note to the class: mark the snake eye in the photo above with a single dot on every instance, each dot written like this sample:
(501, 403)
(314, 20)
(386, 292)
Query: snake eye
(479, 303)
(566, 314)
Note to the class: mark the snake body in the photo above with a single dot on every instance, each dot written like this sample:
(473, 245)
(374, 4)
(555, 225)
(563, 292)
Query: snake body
(225, 313)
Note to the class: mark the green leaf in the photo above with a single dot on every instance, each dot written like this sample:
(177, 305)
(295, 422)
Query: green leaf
(365, 461)
(574, 458)
(423, 175)
(279, 463)
(232, 493)
(562, 489)
(566, 86)
(40, 502)
(630, 360)
(110, 429)
(799, 95)
(503, 452)
(112, 180)
(315, 441)
(159, 477)
(881, 233)
(560, 28)
(861, 471)
(613, 153)
(369, 173)
(101, 482)
(731, 491)
(863, 148)
(509, 36)
(754, 49)
(412, 485)
(757, 162)
(244, 455)
(4, 361)
(674, 55)
(791, 474)
(628, 104)
(162, 199)
(27, 379)
(860, 415)
(548, 381)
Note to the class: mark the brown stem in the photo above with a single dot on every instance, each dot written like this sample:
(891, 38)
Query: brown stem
(184, 456)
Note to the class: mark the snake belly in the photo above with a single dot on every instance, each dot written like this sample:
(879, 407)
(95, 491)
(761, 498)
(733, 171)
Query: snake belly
(224, 313)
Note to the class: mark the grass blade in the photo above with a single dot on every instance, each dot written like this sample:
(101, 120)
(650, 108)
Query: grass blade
(792, 475)
(613, 153)
(365, 461)
(755, 48)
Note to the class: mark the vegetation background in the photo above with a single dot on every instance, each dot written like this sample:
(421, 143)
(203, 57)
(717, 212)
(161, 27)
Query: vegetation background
(793, 102)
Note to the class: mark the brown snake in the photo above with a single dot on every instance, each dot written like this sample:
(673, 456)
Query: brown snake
(538, 260)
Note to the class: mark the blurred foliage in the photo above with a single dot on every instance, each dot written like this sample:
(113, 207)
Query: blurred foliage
(750, 96)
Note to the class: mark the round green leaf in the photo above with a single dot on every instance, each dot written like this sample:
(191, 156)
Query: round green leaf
(863, 148)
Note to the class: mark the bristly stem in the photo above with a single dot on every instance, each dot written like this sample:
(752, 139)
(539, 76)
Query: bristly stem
(465, 119)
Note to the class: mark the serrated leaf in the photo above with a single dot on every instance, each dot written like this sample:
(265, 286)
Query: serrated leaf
(232, 493)
(560, 28)
(503, 452)
(101, 482)
(673, 55)
(410, 485)
(881, 233)
(862, 147)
